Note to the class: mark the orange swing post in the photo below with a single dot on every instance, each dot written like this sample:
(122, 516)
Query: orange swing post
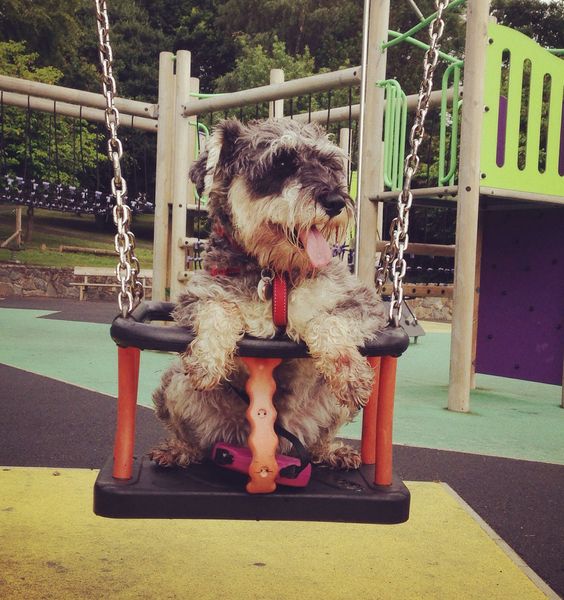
(370, 416)
(377, 420)
(128, 382)
(384, 423)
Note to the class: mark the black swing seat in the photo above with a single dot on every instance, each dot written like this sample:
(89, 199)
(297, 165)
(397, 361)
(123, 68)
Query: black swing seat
(206, 491)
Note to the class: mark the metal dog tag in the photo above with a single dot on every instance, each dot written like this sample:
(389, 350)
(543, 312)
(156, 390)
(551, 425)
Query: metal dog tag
(264, 287)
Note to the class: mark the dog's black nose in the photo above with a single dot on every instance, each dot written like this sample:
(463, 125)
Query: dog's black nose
(333, 204)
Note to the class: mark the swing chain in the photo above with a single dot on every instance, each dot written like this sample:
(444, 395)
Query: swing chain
(131, 289)
(392, 262)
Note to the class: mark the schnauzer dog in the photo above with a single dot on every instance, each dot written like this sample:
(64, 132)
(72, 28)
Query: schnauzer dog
(278, 200)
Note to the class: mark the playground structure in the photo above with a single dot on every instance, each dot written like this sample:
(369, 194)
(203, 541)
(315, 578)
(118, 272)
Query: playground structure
(510, 161)
(502, 577)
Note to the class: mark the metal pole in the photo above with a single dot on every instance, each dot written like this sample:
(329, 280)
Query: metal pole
(163, 176)
(416, 10)
(180, 187)
(370, 161)
(276, 107)
(468, 206)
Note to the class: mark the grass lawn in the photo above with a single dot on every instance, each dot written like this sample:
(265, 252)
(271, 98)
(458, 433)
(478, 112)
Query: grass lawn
(52, 229)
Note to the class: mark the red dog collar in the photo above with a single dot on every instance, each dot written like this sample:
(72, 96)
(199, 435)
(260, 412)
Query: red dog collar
(216, 271)
(280, 301)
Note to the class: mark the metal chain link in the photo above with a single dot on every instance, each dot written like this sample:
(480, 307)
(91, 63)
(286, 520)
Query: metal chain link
(131, 289)
(392, 262)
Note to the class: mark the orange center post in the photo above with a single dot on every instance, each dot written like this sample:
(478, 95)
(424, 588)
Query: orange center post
(261, 415)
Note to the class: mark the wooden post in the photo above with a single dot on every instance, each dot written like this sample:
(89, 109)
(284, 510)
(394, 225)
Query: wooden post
(344, 144)
(468, 206)
(163, 183)
(180, 182)
(19, 226)
(344, 139)
(193, 150)
(16, 237)
(479, 244)
(276, 107)
(562, 400)
(370, 169)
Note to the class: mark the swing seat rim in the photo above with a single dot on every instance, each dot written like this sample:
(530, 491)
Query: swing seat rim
(136, 331)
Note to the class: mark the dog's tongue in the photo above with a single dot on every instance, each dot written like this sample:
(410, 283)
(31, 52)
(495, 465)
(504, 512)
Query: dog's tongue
(316, 247)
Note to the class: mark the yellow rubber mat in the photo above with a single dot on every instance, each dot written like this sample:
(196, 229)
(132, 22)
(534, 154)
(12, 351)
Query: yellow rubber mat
(53, 546)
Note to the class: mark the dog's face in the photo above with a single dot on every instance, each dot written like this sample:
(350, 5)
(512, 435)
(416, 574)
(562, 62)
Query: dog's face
(279, 188)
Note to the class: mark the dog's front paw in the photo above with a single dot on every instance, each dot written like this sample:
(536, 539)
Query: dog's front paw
(202, 377)
(351, 380)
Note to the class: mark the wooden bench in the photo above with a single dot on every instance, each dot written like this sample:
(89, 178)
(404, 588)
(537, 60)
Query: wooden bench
(87, 273)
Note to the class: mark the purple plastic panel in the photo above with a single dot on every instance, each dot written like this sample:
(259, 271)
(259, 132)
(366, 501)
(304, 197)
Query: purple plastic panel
(521, 312)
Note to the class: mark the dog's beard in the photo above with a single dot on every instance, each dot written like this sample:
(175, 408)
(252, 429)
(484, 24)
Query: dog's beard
(290, 233)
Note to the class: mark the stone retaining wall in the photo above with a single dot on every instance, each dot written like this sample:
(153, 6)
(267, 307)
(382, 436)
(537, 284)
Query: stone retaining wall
(54, 282)
(51, 282)
(432, 309)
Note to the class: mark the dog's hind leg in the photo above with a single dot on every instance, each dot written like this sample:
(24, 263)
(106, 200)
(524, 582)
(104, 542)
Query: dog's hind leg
(331, 452)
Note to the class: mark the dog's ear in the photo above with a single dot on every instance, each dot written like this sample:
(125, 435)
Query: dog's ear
(228, 132)
(218, 156)
(198, 171)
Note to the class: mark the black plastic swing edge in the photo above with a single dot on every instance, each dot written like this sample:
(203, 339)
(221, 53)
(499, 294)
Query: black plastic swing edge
(207, 491)
(136, 331)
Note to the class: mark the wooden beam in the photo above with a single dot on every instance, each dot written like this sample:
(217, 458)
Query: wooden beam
(79, 249)
(423, 249)
(422, 290)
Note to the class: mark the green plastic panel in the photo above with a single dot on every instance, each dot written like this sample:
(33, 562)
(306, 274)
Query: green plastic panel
(527, 82)
(395, 124)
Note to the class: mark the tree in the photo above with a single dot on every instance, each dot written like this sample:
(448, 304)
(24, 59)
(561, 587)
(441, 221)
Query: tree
(405, 61)
(213, 52)
(255, 61)
(541, 21)
(252, 69)
(33, 147)
(331, 30)
(49, 28)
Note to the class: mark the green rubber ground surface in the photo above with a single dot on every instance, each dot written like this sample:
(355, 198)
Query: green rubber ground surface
(508, 418)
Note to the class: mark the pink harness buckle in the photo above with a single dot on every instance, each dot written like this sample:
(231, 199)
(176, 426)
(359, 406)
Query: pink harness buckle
(237, 458)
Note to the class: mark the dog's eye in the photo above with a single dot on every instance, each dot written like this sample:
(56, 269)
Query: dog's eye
(284, 164)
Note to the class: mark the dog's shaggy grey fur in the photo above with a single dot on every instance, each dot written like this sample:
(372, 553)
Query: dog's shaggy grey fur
(277, 190)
